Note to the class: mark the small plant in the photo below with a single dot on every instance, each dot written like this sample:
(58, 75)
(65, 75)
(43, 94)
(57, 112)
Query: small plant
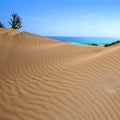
(113, 43)
(15, 21)
(1, 25)
(94, 44)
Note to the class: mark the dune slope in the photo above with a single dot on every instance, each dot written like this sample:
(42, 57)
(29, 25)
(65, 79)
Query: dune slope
(44, 79)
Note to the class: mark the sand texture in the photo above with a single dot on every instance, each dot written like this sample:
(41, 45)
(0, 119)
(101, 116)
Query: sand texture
(44, 79)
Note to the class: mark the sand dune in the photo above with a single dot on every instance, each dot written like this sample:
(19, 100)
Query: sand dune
(44, 79)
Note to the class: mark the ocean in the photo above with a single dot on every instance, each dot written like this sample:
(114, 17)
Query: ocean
(85, 40)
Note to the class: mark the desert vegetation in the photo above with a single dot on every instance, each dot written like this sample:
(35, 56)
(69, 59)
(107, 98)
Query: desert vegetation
(1, 25)
(113, 43)
(93, 44)
(15, 22)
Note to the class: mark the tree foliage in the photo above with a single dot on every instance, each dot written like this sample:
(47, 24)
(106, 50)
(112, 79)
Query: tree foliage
(15, 21)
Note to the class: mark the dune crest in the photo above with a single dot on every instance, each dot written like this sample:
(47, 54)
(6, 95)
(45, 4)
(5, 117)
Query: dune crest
(9, 31)
(44, 79)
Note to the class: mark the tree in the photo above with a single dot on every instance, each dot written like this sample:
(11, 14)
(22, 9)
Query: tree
(1, 25)
(15, 21)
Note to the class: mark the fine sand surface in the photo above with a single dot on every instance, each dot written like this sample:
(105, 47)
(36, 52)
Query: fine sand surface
(44, 79)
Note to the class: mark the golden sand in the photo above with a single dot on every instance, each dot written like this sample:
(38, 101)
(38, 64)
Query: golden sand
(44, 79)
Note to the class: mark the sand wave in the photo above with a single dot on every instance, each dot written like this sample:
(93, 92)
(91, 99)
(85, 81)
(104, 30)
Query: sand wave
(43, 79)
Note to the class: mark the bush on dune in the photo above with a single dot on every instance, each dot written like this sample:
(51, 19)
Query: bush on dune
(94, 44)
(15, 21)
(1, 25)
(113, 43)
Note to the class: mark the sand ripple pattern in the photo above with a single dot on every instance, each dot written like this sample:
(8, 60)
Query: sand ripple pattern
(43, 79)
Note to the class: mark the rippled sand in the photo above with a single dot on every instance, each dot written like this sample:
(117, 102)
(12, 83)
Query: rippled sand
(43, 79)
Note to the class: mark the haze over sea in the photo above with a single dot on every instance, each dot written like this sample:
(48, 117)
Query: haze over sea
(85, 40)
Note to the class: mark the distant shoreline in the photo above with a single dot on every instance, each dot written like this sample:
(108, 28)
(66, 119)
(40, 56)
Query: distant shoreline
(85, 40)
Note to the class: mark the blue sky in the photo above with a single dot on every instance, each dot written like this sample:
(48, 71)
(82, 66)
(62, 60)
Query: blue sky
(65, 17)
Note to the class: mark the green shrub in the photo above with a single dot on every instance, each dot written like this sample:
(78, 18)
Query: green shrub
(113, 43)
(93, 44)
(1, 25)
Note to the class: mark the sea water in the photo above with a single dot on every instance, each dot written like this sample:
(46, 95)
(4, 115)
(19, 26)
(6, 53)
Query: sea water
(85, 40)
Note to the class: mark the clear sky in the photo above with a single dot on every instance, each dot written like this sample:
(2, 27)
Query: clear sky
(65, 17)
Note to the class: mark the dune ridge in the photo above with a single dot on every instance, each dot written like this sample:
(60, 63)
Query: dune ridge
(44, 79)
